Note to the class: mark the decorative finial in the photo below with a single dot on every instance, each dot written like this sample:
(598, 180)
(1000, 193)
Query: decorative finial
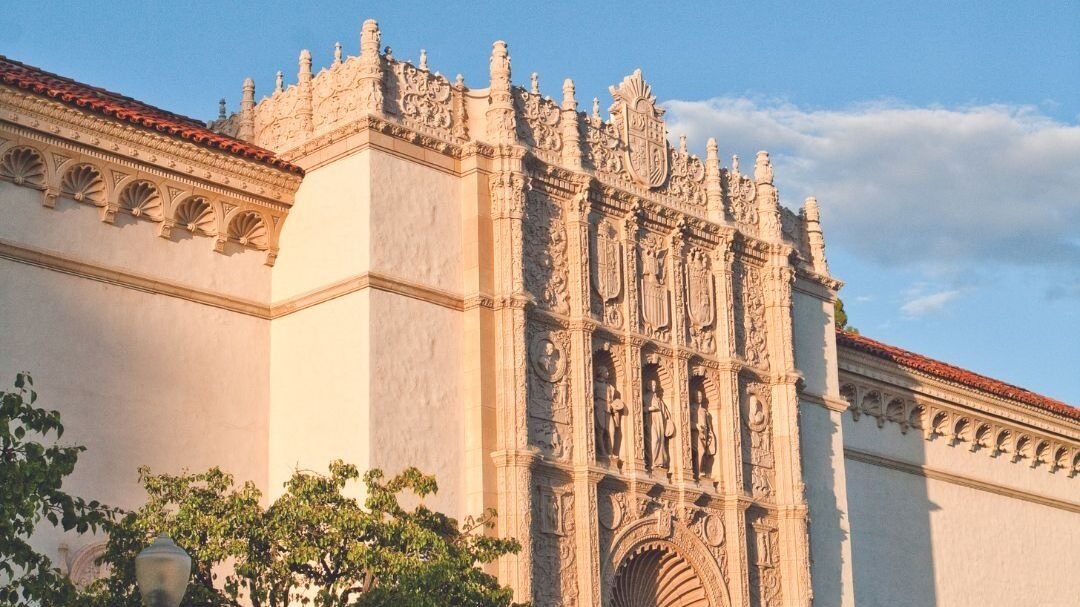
(221, 109)
(682, 143)
(568, 101)
(501, 123)
(423, 59)
(763, 172)
(279, 83)
(388, 53)
(305, 64)
(247, 111)
(596, 109)
(735, 164)
(459, 81)
(711, 149)
(713, 188)
(369, 38)
(337, 53)
(812, 215)
(535, 80)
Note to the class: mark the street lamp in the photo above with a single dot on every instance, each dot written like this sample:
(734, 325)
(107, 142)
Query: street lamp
(162, 570)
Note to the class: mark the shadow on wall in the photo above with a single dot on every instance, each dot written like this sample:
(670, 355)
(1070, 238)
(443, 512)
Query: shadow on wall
(889, 510)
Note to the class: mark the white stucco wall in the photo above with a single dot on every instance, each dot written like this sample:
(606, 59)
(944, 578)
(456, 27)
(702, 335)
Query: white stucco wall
(924, 541)
(139, 377)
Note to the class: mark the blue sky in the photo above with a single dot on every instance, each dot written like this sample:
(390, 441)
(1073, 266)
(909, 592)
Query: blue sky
(941, 139)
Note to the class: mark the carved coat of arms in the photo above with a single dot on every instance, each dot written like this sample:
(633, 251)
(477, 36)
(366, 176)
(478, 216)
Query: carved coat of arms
(607, 269)
(643, 131)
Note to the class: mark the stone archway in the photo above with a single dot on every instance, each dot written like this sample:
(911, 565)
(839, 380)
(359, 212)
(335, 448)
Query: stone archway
(656, 576)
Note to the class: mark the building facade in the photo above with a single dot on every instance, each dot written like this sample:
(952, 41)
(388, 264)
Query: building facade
(627, 350)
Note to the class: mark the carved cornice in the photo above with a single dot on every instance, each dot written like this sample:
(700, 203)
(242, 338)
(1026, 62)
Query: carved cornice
(95, 134)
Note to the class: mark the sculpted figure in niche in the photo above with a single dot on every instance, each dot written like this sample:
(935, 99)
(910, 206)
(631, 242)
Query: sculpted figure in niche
(660, 427)
(703, 436)
(609, 410)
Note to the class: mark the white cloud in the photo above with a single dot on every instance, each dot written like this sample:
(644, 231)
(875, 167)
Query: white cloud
(922, 305)
(940, 188)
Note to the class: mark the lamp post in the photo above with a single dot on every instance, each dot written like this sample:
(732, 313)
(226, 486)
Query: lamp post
(162, 570)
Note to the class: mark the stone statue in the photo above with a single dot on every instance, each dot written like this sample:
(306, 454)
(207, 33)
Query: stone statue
(660, 427)
(703, 437)
(609, 410)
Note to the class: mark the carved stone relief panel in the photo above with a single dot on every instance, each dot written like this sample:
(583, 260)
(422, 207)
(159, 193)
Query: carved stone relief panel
(545, 247)
(549, 411)
(539, 124)
(687, 180)
(604, 153)
(740, 191)
(750, 316)
(278, 119)
(607, 273)
(422, 100)
(655, 299)
(708, 525)
(700, 301)
(758, 461)
(335, 94)
(554, 557)
(764, 559)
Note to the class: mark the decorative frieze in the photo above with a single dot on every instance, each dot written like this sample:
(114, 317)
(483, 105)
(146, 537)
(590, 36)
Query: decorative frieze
(972, 430)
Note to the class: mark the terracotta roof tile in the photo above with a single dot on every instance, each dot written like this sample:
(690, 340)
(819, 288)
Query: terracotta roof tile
(126, 109)
(949, 372)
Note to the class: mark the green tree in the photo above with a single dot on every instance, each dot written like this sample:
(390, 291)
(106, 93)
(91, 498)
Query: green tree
(841, 318)
(32, 471)
(313, 545)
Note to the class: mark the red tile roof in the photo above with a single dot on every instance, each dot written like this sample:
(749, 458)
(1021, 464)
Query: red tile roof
(948, 372)
(126, 109)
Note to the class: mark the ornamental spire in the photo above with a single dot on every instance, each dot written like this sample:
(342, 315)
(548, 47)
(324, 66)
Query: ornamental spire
(812, 215)
(568, 119)
(247, 111)
(305, 112)
(500, 113)
(713, 190)
(766, 199)
(369, 81)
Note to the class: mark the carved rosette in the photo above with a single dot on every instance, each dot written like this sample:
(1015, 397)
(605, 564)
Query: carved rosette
(539, 126)
(549, 408)
(554, 556)
(546, 270)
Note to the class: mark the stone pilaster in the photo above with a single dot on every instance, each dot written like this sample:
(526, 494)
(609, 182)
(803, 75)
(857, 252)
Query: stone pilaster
(513, 459)
(791, 509)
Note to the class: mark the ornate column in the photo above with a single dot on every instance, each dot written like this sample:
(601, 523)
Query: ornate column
(501, 120)
(636, 448)
(683, 468)
(729, 466)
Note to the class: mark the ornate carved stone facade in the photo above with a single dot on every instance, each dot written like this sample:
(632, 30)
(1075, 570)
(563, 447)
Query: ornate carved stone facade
(623, 313)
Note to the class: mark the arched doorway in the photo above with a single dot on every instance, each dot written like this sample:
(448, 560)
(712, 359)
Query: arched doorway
(656, 576)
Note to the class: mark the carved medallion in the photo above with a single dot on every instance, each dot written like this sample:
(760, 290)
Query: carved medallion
(712, 529)
(612, 511)
(644, 133)
(548, 360)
